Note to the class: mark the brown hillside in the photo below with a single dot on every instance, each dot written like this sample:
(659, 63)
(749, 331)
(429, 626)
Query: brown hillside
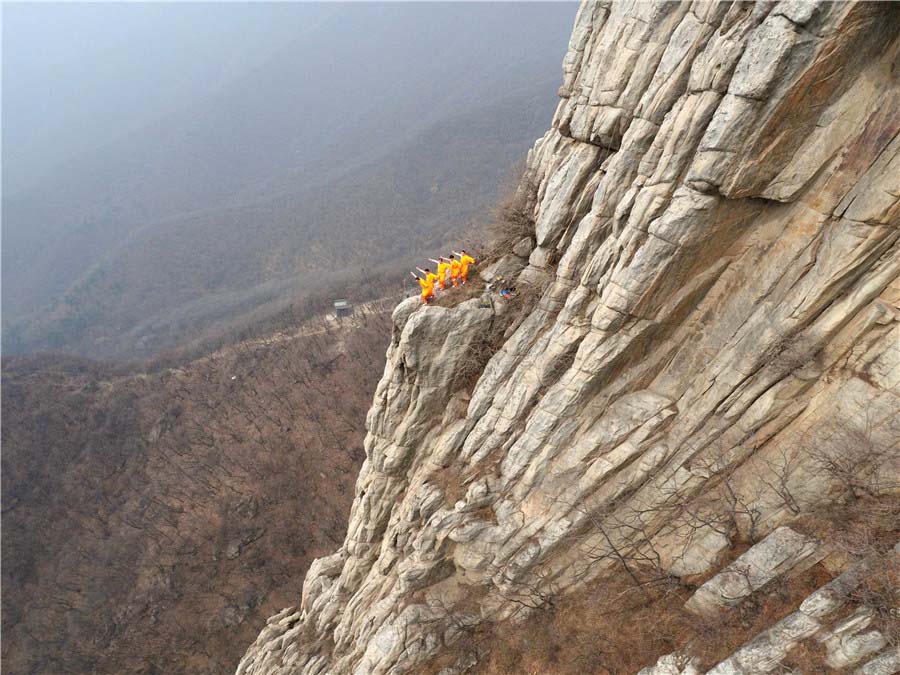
(152, 521)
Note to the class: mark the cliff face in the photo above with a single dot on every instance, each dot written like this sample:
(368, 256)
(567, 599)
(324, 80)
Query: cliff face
(716, 211)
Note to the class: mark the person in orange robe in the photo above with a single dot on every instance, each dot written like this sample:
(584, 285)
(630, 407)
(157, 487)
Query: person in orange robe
(464, 261)
(426, 283)
(455, 269)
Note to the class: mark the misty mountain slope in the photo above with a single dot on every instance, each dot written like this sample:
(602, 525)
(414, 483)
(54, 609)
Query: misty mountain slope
(221, 262)
(91, 125)
(367, 82)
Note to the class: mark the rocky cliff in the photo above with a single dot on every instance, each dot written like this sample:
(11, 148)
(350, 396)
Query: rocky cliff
(713, 354)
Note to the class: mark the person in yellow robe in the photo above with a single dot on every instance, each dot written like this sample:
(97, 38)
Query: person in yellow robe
(455, 269)
(464, 261)
(442, 268)
(426, 283)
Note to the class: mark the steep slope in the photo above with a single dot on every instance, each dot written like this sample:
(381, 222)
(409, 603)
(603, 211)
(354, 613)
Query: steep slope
(152, 521)
(713, 354)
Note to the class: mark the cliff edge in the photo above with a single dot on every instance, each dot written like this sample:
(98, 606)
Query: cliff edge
(713, 354)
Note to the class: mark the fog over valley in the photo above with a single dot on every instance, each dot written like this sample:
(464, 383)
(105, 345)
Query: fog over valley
(173, 171)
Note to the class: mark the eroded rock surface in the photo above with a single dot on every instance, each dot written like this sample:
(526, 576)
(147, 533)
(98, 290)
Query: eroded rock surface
(783, 550)
(716, 218)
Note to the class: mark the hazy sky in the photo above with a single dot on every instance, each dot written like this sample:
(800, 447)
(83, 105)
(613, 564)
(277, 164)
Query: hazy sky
(79, 74)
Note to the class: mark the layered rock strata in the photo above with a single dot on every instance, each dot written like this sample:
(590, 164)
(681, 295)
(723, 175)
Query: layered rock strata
(852, 642)
(716, 220)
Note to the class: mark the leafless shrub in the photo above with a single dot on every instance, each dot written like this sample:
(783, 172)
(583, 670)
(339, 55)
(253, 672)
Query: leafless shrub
(777, 474)
(789, 354)
(615, 626)
(855, 454)
(880, 591)
(806, 657)
(467, 637)
(450, 297)
(723, 508)
(522, 302)
(480, 350)
(621, 541)
(863, 531)
(534, 590)
(513, 219)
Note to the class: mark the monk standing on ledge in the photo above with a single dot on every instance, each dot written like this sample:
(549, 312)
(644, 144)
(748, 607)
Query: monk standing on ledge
(464, 261)
(426, 283)
(442, 268)
(455, 268)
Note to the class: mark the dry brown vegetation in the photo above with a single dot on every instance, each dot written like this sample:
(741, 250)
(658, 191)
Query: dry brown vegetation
(450, 297)
(482, 347)
(488, 342)
(865, 530)
(153, 521)
(614, 626)
(635, 613)
(513, 219)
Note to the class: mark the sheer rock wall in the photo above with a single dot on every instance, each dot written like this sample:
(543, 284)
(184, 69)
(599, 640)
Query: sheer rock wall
(717, 215)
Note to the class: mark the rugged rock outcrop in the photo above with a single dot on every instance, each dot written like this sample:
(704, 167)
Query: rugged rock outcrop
(716, 212)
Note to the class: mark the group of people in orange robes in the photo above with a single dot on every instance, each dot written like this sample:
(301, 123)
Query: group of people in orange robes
(450, 270)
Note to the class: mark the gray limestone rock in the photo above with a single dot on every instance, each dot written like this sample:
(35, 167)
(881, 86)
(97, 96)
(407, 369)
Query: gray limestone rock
(780, 552)
(849, 641)
(886, 663)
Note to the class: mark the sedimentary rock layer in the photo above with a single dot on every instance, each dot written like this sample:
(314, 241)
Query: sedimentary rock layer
(716, 210)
